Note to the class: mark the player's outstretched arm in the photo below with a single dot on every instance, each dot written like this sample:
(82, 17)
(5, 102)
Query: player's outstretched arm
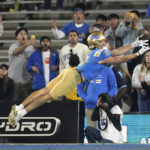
(118, 59)
(121, 59)
(122, 50)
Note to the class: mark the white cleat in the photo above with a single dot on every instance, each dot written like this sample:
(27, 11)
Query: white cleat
(13, 114)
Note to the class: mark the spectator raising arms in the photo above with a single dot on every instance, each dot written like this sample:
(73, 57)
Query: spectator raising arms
(19, 53)
(78, 24)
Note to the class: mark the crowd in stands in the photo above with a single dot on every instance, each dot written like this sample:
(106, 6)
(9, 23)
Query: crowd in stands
(31, 68)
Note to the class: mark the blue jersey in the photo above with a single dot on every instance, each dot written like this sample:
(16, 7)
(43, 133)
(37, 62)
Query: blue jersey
(83, 30)
(91, 68)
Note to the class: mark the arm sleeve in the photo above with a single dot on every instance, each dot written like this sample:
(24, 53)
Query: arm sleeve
(95, 115)
(30, 64)
(58, 34)
(61, 64)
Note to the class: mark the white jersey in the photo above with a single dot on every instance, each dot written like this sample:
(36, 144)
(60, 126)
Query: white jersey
(110, 133)
(80, 49)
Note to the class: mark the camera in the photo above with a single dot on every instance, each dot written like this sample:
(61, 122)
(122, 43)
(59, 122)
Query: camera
(132, 15)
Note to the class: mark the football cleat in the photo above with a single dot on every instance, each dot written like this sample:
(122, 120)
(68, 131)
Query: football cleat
(12, 116)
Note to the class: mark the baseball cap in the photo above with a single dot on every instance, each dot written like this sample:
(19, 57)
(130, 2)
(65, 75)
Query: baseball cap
(78, 9)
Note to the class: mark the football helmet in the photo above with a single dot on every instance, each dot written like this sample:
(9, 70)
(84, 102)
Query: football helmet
(95, 40)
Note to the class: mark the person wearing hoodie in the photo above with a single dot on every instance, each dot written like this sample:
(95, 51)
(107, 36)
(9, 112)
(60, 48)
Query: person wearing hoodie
(105, 82)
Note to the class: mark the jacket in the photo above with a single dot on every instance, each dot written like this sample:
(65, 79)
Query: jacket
(105, 82)
(36, 60)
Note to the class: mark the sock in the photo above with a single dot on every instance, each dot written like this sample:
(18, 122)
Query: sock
(20, 107)
(23, 112)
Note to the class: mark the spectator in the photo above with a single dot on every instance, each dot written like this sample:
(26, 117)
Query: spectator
(19, 53)
(6, 85)
(141, 81)
(1, 26)
(123, 32)
(143, 34)
(3, 73)
(77, 24)
(109, 117)
(102, 21)
(133, 24)
(116, 32)
(73, 62)
(77, 48)
(105, 82)
(120, 33)
(43, 63)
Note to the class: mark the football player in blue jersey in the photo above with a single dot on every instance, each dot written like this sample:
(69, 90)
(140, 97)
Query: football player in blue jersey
(69, 78)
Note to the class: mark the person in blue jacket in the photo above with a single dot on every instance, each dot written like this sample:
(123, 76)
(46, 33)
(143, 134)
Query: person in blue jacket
(105, 82)
(43, 64)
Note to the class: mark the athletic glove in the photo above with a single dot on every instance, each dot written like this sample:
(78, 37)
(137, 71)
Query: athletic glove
(143, 50)
(138, 43)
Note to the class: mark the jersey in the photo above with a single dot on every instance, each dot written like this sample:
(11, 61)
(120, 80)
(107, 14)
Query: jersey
(83, 30)
(90, 69)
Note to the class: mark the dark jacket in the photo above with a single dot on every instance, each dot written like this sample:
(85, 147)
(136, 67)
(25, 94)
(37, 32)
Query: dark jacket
(7, 93)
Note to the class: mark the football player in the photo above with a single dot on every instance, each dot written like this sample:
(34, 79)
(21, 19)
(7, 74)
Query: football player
(66, 81)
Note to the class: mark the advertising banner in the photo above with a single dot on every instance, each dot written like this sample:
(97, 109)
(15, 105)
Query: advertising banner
(56, 122)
